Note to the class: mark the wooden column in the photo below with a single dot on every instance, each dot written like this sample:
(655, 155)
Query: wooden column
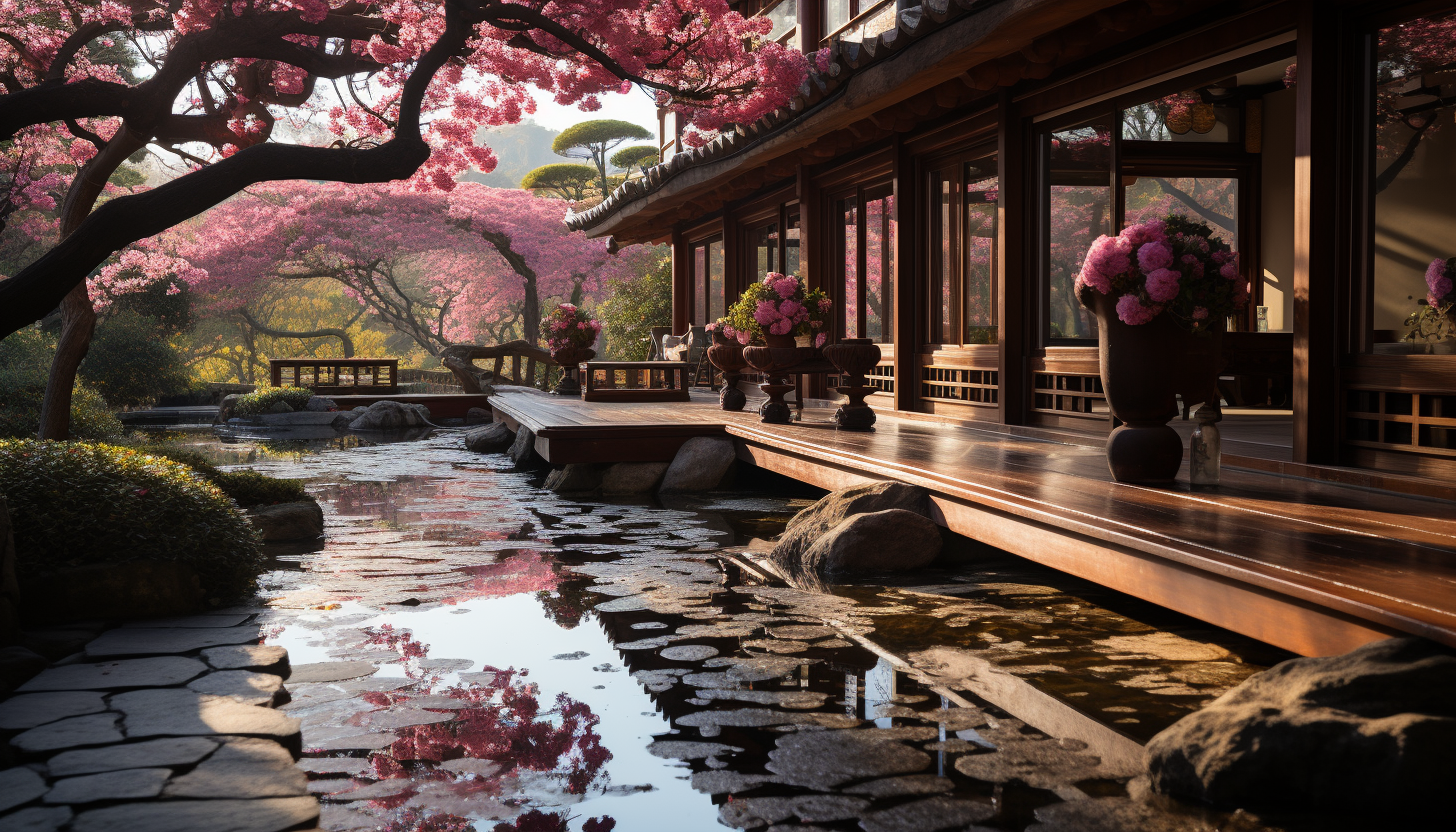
(682, 283)
(812, 232)
(1319, 238)
(1015, 175)
(908, 312)
(733, 279)
(809, 19)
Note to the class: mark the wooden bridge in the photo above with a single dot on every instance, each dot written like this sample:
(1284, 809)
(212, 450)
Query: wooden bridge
(1310, 566)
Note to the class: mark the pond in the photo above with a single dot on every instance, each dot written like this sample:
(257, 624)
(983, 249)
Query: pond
(472, 651)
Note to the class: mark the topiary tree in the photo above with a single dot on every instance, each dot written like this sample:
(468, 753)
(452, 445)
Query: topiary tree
(593, 140)
(636, 303)
(564, 179)
(638, 155)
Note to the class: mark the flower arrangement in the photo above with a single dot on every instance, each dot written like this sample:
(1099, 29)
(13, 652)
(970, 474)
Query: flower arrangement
(778, 305)
(1173, 265)
(568, 326)
(1440, 289)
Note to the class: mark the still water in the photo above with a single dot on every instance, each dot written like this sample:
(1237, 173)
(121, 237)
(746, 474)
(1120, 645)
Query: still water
(473, 652)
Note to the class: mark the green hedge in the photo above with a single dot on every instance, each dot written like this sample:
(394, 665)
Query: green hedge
(259, 401)
(247, 488)
(25, 361)
(76, 503)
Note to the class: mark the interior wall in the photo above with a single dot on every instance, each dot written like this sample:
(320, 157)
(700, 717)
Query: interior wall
(1276, 237)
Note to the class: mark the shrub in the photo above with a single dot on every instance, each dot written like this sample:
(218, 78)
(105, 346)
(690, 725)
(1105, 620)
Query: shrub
(260, 400)
(250, 488)
(632, 307)
(77, 503)
(25, 360)
(131, 364)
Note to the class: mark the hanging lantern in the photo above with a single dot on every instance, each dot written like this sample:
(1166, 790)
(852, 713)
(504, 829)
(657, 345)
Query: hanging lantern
(1203, 117)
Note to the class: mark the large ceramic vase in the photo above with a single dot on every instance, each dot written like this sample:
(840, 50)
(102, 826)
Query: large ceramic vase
(727, 355)
(776, 363)
(856, 358)
(1144, 370)
(570, 358)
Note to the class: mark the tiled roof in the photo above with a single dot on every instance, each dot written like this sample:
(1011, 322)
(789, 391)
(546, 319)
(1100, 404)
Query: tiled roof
(845, 58)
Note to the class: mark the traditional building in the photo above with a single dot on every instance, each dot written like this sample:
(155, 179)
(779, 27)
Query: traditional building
(944, 172)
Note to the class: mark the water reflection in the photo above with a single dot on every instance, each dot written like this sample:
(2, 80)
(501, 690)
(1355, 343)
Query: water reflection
(487, 655)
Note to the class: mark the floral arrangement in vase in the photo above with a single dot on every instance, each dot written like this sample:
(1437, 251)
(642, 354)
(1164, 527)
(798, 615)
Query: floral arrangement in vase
(1440, 289)
(568, 326)
(779, 307)
(1433, 324)
(1172, 265)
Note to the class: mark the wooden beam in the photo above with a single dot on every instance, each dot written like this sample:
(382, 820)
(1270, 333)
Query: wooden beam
(1014, 231)
(907, 277)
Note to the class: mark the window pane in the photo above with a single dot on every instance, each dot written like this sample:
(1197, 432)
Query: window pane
(1079, 209)
(945, 273)
(880, 269)
(765, 247)
(1208, 199)
(791, 245)
(717, 295)
(1415, 170)
(700, 285)
(849, 244)
(836, 14)
(979, 245)
(1191, 116)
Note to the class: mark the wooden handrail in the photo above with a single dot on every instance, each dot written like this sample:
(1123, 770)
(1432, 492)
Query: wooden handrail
(461, 358)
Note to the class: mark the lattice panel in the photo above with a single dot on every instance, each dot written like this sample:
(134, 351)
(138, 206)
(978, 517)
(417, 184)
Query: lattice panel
(882, 378)
(1070, 395)
(960, 385)
(1401, 421)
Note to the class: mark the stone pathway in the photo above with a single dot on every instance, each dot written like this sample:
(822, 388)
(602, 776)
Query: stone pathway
(157, 725)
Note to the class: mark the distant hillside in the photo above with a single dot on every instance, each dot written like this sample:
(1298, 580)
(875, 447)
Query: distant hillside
(519, 148)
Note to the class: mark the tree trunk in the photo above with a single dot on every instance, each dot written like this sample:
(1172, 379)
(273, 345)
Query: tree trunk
(78, 322)
(531, 311)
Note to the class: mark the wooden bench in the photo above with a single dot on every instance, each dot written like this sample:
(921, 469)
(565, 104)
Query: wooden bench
(637, 381)
(329, 376)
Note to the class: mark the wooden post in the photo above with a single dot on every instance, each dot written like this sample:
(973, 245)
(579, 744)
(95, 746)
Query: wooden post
(1318, 237)
(812, 232)
(809, 17)
(1014, 175)
(734, 280)
(908, 312)
(682, 283)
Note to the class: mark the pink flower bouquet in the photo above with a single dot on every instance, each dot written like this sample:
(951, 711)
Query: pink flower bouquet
(779, 305)
(1172, 265)
(568, 326)
(1439, 288)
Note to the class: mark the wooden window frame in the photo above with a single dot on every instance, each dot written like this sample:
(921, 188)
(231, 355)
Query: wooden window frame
(861, 195)
(956, 163)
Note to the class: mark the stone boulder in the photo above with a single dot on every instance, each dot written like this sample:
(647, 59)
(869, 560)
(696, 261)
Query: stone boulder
(303, 520)
(478, 416)
(700, 464)
(1373, 728)
(343, 420)
(524, 448)
(388, 415)
(880, 541)
(490, 439)
(577, 477)
(225, 410)
(280, 407)
(834, 508)
(130, 589)
(632, 477)
(320, 404)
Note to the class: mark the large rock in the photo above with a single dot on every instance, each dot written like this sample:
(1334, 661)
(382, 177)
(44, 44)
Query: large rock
(524, 448)
(131, 589)
(577, 477)
(478, 416)
(320, 404)
(632, 477)
(813, 522)
(700, 464)
(880, 541)
(490, 439)
(388, 415)
(1373, 728)
(225, 410)
(270, 814)
(303, 520)
(280, 407)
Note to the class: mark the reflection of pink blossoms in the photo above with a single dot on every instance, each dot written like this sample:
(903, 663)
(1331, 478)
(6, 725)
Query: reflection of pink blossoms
(1438, 283)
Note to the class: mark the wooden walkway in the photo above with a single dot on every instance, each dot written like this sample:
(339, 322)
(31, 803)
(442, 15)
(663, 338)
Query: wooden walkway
(1313, 567)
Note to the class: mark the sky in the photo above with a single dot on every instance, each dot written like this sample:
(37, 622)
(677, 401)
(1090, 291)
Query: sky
(635, 107)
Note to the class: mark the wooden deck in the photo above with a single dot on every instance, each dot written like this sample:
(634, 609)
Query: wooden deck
(1314, 567)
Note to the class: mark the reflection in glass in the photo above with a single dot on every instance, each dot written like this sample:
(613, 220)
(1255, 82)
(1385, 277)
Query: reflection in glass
(849, 244)
(700, 285)
(880, 229)
(1208, 199)
(979, 247)
(1079, 209)
(836, 14)
(1191, 116)
(717, 294)
(945, 222)
(766, 249)
(791, 245)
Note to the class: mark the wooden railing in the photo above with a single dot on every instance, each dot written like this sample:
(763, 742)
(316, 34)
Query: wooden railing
(515, 362)
(336, 376)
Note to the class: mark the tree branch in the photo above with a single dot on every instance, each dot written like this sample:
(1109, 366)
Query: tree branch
(325, 332)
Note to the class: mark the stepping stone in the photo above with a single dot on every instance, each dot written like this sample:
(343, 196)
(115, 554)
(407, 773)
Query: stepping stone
(265, 657)
(242, 768)
(331, 671)
(240, 685)
(131, 784)
(354, 742)
(901, 786)
(171, 713)
(689, 653)
(231, 620)
(387, 720)
(826, 759)
(265, 815)
(374, 791)
(38, 819)
(29, 710)
(680, 750)
(158, 672)
(19, 786)
(728, 782)
(77, 731)
(470, 765)
(345, 766)
(926, 815)
(167, 752)
(122, 642)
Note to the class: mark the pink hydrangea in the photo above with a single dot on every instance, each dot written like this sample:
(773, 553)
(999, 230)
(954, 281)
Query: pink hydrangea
(1152, 231)
(1438, 283)
(765, 313)
(786, 286)
(1154, 256)
(1132, 312)
(1163, 285)
(743, 337)
(1229, 270)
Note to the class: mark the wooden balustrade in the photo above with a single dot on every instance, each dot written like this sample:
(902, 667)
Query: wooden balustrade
(341, 376)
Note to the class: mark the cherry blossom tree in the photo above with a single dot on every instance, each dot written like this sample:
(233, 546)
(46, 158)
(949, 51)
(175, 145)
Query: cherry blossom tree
(439, 267)
(396, 89)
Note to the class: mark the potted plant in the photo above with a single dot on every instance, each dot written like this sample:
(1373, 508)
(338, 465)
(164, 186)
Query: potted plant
(570, 333)
(780, 311)
(1433, 324)
(726, 354)
(1161, 291)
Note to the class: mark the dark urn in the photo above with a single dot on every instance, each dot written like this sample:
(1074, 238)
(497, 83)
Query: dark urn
(856, 358)
(570, 358)
(776, 363)
(727, 355)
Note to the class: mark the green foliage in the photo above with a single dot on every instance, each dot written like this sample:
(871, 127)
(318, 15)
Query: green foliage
(167, 303)
(185, 456)
(633, 306)
(25, 360)
(638, 155)
(130, 362)
(565, 179)
(250, 488)
(77, 503)
(260, 400)
(602, 131)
